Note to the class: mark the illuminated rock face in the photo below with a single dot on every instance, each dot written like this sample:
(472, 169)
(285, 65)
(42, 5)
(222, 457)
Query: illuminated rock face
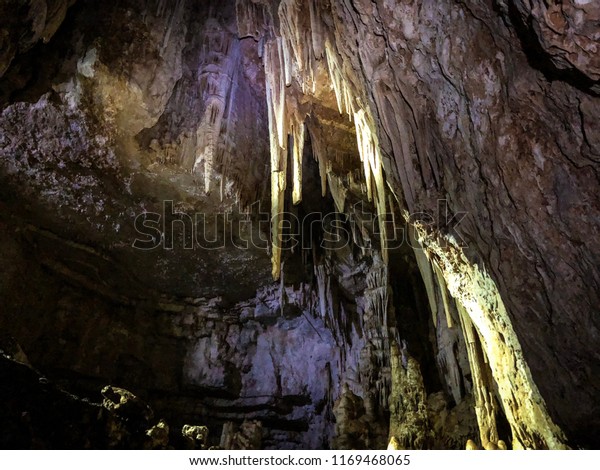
(449, 295)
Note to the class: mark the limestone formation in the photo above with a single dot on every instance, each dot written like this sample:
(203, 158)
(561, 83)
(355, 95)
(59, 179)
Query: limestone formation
(159, 436)
(195, 436)
(471, 445)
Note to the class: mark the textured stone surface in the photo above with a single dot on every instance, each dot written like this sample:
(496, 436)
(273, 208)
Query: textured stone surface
(24, 23)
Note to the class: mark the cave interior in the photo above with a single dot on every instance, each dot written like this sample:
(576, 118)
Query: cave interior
(299, 224)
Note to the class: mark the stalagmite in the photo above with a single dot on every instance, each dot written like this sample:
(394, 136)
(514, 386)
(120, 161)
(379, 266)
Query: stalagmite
(471, 445)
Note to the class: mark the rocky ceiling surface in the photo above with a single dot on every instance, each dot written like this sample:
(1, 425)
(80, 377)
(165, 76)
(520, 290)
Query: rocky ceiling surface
(302, 224)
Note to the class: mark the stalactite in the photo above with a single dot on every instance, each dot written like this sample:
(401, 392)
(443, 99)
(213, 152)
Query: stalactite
(377, 328)
(338, 191)
(377, 294)
(289, 21)
(208, 137)
(283, 54)
(368, 147)
(218, 69)
(275, 90)
(298, 136)
(316, 30)
(287, 62)
(444, 292)
(279, 95)
(483, 388)
(294, 53)
(251, 19)
(335, 76)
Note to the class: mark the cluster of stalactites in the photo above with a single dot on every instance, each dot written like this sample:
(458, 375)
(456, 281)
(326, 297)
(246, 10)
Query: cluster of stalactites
(174, 11)
(378, 329)
(291, 56)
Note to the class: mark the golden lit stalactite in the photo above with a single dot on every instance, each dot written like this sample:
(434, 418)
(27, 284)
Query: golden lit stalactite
(278, 56)
(289, 20)
(337, 81)
(485, 408)
(277, 62)
(275, 105)
(287, 62)
(368, 147)
(444, 292)
(364, 149)
(286, 58)
(476, 292)
(298, 136)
